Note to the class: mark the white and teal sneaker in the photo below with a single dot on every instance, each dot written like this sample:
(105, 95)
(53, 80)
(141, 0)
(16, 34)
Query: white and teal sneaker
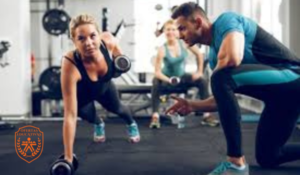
(228, 168)
(99, 133)
(133, 133)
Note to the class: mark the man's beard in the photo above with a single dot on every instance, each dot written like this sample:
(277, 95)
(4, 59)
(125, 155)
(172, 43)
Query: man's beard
(193, 42)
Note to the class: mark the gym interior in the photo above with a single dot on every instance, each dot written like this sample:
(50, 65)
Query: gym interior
(34, 39)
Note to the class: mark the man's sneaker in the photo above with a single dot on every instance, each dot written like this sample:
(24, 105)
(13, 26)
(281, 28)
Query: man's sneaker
(133, 132)
(228, 168)
(210, 121)
(99, 133)
(154, 123)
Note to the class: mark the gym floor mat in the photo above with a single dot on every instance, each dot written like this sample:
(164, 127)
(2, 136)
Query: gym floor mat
(193, 150)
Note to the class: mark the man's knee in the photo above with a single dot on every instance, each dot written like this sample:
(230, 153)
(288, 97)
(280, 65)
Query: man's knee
(219, 79)
(219, 76)
(266, 158)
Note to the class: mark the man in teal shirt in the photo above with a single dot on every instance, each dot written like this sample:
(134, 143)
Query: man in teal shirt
(248, 60)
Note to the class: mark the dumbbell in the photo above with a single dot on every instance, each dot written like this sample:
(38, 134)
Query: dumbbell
(122, 64)
(174, 80)
(63, 167)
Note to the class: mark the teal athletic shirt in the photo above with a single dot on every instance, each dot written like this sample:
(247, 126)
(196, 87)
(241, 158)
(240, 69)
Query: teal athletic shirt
(260, 48)
(174, 66)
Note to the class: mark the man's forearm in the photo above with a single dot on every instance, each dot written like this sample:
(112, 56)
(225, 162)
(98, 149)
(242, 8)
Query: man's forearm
(200, 62)
(200, 69)
(207, 105)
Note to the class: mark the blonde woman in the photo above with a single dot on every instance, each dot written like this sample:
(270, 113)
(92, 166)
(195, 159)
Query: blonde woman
(86, 77)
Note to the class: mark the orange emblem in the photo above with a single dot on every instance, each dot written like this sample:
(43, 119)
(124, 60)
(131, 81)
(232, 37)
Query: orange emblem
(29, 142)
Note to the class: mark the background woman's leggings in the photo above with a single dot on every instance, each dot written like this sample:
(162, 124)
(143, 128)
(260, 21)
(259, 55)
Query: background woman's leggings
(109, 100)
(279, 89)
(186, 82)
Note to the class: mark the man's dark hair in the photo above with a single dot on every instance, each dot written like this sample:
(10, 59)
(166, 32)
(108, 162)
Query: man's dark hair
(188, 9)
(173, 8)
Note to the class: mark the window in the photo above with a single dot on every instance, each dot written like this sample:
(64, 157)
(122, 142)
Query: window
(267, 14)
(147, 18)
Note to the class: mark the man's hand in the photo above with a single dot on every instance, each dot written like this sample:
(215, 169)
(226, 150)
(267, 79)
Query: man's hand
(182, 107)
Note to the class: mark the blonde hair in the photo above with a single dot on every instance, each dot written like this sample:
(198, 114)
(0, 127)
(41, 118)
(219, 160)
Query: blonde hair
(169, 22)
(80, 20)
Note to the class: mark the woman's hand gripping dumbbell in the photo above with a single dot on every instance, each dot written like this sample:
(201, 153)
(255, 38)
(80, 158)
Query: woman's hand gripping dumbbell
(63, 167)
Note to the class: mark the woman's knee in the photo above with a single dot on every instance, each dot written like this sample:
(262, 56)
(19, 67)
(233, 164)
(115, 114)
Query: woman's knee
(90, 118)
(202, 82)
(155, 81)
(88, 113)
(122, 110)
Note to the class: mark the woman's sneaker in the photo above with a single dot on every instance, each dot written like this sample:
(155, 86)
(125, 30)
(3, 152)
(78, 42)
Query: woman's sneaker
(210, 121)
(228, 168)
(154, 123)
(99, 133)
(133, 133)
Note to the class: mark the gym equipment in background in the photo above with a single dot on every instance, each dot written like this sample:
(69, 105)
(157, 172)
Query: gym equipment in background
(49, 83)
(5, 126)
(158, 7)
(56, 22)
(121, 28)
(4, 47)
(105, 19)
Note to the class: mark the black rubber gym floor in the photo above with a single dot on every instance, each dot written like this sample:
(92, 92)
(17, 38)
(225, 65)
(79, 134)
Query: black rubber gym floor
(193, 150)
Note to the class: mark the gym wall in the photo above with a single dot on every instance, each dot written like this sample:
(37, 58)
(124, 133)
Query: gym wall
(47, 47)
(15, 89)
(294, 26)
(256, 8)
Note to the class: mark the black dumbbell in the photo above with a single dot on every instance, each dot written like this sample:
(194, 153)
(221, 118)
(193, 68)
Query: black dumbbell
(63, 167)
(174, 81)
(122, 64)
